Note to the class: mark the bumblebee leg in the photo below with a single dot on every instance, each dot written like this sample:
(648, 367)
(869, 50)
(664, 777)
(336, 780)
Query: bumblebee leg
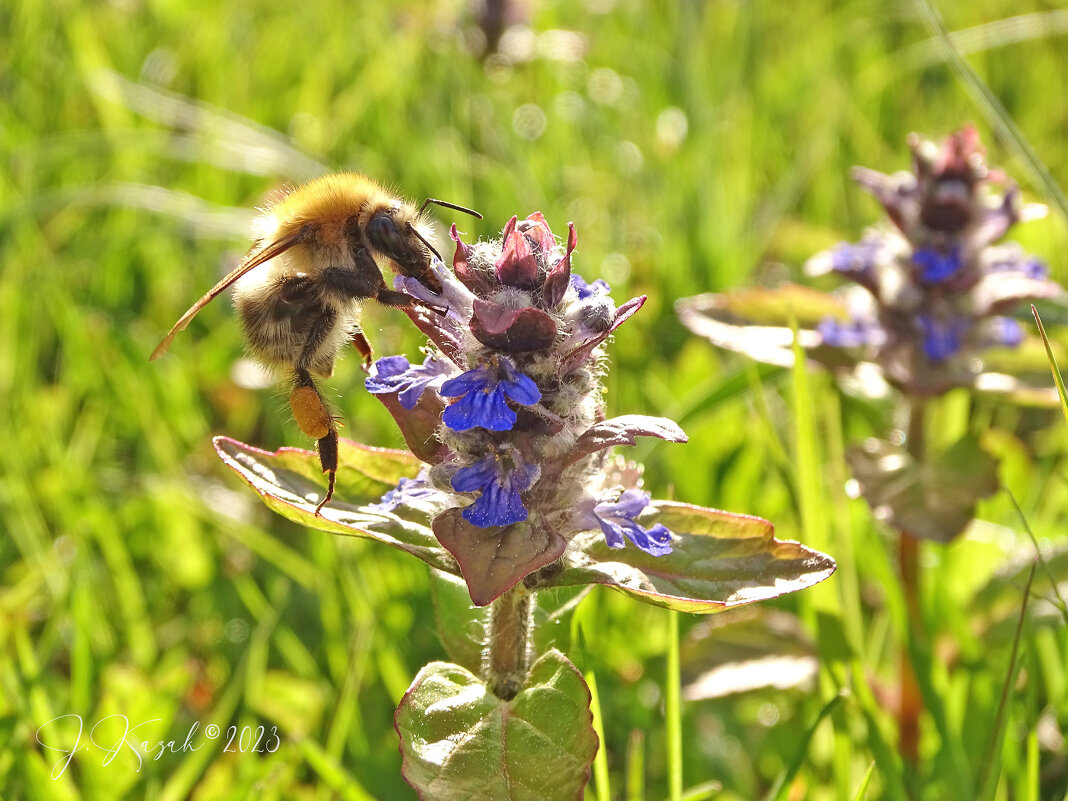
(308, 405)
(327, 447)
(359, 341)
(314, 418)
(365, 281)
(398, 300)
(316, 335)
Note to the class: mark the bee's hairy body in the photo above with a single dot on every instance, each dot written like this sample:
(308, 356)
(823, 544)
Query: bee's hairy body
(302, 306)
(318, 255)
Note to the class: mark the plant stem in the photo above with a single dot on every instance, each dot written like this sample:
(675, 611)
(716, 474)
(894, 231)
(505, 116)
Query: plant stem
(673, 710)
(911, 702)
(506, 660)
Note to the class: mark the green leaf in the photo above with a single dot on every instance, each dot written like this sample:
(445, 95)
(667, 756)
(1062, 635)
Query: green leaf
(720, 560)
(461, 627)
(750, 649)
(460, 742)
(862, 789)
(764, 306)
(933, 501)
(290, 483)
(782, 785)
(754, 322)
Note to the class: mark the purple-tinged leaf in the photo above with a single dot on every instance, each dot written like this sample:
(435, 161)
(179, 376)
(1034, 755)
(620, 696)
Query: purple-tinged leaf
(494, 559)
(447, 340)
(459, 742)
(512, 330)
(461, 265)
(517, 265)
(289, 481)
(995, 222)
(537, 230)
(719, 560)
(934, 501)
(624, 430)
(1000, 291)
(894, 192)
(418, 426)
(754, 322)
(559, 277)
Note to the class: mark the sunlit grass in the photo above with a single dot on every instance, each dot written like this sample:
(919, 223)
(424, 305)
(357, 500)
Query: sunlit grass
(696, 147)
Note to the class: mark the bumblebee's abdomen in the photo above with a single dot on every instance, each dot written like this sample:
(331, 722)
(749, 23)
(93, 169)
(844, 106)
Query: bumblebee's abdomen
(292, 327)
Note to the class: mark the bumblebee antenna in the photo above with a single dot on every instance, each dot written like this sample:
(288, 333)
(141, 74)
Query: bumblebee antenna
(422, 239)
(448, 205)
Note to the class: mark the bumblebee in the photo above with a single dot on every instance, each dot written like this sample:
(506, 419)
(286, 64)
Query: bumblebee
(320, 248)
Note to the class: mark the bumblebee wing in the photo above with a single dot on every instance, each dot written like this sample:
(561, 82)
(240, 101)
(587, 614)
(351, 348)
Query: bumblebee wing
(254, 258)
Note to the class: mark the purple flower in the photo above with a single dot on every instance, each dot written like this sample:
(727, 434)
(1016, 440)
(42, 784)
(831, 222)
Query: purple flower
(455, 298)
(617, 520)
(936, 267)
(585, 291)
(1036, 268)
(483, 393)
(395, 374)
(941, 338)
(1004, 332)
(1028, 266)
(407, 491)
(595, 311)
(850, 334)
(859, 258)
(500, 503)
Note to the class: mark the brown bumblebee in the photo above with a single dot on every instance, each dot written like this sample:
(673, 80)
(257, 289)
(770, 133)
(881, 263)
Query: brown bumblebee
(321, 246)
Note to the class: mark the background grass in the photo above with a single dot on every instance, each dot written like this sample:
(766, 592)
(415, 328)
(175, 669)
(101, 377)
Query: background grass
(696, 146)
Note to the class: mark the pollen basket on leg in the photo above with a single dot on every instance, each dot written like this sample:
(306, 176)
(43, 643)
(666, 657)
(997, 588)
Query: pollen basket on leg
(310, 412)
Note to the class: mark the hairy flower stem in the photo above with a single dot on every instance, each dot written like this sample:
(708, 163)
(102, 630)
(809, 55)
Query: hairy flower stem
(911, 702)
(506, 660)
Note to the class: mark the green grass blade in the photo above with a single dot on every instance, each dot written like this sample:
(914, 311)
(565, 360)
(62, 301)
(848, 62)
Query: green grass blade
(862, 790)
(333, 774)
(780, 789)
(989, 781)
(702, 791)
(1057, 377)
(602, 788)
(1060, 602)
(635, 766)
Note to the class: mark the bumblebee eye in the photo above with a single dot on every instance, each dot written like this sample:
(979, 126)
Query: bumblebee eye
(385, 235)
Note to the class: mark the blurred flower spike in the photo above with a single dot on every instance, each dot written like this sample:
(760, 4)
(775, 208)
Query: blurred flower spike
(932, 288)
(928, 310)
